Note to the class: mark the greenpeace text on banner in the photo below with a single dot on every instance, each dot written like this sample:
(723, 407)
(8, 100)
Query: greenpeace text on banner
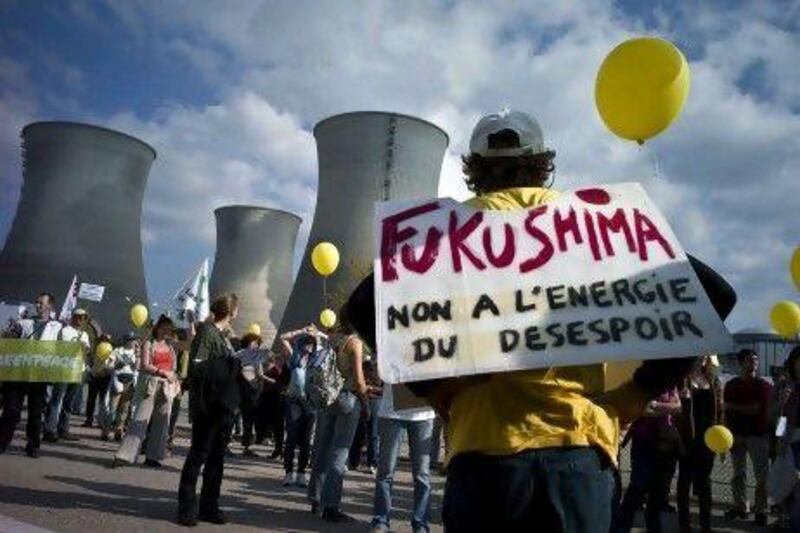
(597, 275)
(41, 361)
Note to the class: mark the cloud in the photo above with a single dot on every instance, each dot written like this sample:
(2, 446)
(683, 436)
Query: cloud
(239, 151)
(726, 177)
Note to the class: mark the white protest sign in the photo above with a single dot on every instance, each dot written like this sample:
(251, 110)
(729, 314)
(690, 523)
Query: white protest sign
(91, 292)
(596, 275)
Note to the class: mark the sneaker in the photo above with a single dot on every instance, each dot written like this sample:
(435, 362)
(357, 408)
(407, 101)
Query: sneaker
(217, 517)
(69, 437)
(104, 437)
(49, 436)
(249, 453)
(335, 515)
(152, 463)
(118, 435)
(761, 519)
(301, 480)
(735, 514)
(87, 424)
(277, 454)
(289, 479)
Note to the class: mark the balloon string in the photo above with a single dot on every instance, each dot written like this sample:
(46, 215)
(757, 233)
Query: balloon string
(655, 162)
(325, 291)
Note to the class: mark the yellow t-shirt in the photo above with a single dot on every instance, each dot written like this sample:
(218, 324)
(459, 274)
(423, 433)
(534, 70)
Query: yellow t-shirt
(515, 411)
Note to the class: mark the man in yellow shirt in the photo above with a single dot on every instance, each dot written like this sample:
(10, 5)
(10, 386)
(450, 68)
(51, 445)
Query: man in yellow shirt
(532, 450)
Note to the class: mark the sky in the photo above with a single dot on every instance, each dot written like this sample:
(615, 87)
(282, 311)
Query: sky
(228, 94)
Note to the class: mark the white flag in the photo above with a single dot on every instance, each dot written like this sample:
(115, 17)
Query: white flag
(91, 292)
(202, 304)
(191, 300)
(70, 301)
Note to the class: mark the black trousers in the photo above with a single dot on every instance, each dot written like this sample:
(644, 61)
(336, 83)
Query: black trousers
(95, 387)
(271, 410)
(13, 398)
(695, 472)
(249, 413)
(211, 433)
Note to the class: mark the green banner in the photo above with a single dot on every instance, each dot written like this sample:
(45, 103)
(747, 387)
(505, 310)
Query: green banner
(41, 361)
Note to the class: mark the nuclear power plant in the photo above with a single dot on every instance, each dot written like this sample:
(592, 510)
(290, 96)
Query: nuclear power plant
(363, 157)
(255, 249)
(79, 213)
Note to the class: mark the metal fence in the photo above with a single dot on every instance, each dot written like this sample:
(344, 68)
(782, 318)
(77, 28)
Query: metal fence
(720, 478)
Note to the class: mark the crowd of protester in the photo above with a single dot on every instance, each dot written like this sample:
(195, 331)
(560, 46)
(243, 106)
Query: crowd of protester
(533, 448)
(144, 378)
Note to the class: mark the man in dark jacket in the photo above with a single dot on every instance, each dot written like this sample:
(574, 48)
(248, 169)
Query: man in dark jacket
(214, 380)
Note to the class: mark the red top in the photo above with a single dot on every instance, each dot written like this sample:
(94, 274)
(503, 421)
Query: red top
(162, 357)
(740, 391)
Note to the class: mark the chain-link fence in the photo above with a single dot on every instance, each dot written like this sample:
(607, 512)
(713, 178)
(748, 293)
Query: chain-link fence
(721, 475)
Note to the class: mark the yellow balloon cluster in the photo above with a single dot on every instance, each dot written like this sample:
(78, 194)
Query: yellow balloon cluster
(641, 88)
(254, 329)
(139, 315)
(327, 318)
(325, 258)
(719, 439)
(785, 318)
(103, 350)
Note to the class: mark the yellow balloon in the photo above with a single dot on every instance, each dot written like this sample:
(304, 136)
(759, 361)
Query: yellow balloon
(138, 315)
(641, 87)
(325, 258)
(327, 318)
(785, 319)
(103, 350)
(795, 267)
(719, 439)
(254, 329)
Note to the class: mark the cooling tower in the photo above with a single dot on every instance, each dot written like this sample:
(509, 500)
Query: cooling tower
(255, 247)
(79, 213)
(363, 157)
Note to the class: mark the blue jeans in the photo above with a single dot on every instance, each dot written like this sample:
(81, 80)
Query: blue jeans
(552, 489)
(58, 408)
(419, 442)
(299, 423)
(373, 441)
(336, 427)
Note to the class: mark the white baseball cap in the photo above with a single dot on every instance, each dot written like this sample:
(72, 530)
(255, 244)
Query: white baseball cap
(521, 135)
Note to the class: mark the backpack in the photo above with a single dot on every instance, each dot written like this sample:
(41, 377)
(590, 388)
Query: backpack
(323, 380)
